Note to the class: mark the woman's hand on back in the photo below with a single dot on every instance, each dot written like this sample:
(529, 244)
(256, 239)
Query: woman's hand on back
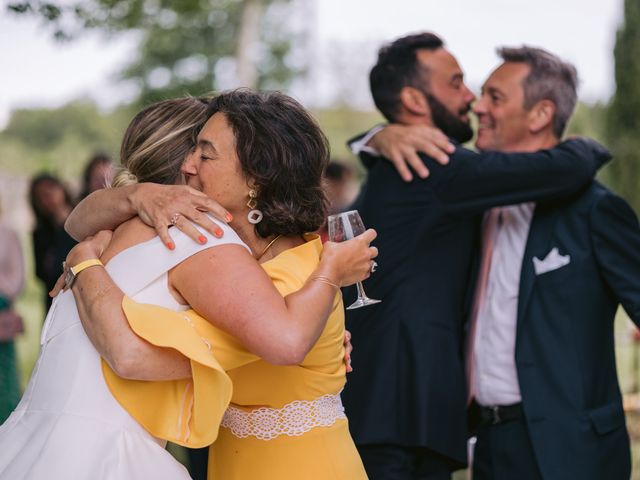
(91, 247)
(161, 206)
(350, 261)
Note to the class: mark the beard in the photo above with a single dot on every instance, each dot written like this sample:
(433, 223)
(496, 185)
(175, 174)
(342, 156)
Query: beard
(449, 123)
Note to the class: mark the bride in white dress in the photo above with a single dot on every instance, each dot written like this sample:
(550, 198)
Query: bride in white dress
(68, 425)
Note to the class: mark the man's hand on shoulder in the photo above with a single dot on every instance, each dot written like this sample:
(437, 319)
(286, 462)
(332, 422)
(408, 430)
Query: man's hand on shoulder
(401, 144)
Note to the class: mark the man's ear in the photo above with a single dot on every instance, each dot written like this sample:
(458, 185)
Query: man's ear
(541, 115)
(414, 101)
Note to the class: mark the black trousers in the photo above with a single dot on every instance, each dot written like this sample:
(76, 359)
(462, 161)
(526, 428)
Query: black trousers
(393, 462)
(504, 452)
(198, 462)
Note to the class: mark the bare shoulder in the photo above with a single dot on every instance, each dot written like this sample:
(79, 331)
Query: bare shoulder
(128, 234)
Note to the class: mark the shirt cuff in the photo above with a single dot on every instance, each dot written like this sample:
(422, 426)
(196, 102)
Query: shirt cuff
(360, 146)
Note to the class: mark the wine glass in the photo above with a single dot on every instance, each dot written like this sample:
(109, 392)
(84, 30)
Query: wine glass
(345, 226)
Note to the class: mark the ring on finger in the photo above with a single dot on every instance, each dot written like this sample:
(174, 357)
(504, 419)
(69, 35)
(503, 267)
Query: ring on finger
(374, 266)
(174, 219)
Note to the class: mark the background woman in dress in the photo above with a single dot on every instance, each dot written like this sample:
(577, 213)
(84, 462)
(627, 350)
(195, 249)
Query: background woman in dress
(51, 204)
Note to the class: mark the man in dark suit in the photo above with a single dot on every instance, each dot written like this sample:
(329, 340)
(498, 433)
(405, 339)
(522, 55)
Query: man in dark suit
(542, 358)
(406, 399)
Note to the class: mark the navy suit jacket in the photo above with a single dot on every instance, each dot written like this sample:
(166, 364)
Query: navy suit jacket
(565, 355)
(408, 384)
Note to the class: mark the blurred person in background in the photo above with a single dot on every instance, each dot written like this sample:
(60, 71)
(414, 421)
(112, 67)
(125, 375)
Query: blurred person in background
(51, 204)
(97, 174)
(11, 284)
(341, 187)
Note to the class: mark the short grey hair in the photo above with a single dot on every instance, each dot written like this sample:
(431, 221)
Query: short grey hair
(550, 78)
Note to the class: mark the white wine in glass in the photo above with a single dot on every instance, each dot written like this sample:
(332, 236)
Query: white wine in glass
(345, 226)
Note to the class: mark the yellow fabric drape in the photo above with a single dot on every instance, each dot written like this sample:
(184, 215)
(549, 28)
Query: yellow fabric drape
(187, 412)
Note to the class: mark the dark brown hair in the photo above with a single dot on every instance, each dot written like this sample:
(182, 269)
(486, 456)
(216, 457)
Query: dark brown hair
(398, 67)
(96, 160)
(44, 218)
(282, 152)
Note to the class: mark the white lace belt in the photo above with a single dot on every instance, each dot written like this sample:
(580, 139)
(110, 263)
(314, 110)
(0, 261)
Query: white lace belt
(294, 419)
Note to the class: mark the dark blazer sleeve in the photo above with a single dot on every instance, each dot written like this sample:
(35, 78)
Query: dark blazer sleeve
(616, 244)
(478, 181)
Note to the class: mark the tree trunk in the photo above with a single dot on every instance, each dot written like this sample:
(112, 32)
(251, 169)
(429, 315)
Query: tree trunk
(248, 44)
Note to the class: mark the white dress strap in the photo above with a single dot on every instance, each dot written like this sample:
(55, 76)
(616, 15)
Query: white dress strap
(164, 259)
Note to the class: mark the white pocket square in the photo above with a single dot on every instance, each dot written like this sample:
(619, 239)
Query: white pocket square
(552, 261)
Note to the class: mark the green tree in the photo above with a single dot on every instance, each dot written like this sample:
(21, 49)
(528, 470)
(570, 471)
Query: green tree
(60, 140)
(623, 120)
(186, 46)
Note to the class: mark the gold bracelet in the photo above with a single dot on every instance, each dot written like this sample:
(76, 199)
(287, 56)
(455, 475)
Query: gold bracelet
(326, 280)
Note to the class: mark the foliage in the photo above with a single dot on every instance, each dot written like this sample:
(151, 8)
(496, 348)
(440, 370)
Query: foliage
(190, 46)
(60, 140)
(341, 124)
(623, 121)
(590, 121)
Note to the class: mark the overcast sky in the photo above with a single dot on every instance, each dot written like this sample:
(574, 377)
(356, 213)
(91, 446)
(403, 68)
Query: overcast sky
(36, 72)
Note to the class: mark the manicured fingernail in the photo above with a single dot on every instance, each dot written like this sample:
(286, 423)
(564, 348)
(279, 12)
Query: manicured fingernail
(218, 233)
(171, 245)
(229, 217)
(202, 239)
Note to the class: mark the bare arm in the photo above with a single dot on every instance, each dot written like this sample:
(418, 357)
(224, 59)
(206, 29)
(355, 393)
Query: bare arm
(155, 204)
(99, 302)
(241, 300)
(280, 330)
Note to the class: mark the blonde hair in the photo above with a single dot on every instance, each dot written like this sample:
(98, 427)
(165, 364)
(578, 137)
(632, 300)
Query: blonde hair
(158, 140)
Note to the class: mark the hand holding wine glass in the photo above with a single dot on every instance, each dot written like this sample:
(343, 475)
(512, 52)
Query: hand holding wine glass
(345, 226)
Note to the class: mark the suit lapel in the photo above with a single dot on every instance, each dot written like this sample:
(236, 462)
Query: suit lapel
(538, 245)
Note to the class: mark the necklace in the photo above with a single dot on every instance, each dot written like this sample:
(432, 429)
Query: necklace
(267, 247)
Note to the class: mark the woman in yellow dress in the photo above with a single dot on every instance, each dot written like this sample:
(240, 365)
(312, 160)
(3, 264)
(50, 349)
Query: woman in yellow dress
(258, 155)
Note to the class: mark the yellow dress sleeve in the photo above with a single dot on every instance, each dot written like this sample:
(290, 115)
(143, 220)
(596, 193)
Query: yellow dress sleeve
(189, 411)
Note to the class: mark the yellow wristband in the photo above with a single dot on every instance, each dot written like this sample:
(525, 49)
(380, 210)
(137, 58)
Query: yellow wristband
(72, 273)
(86, 264)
